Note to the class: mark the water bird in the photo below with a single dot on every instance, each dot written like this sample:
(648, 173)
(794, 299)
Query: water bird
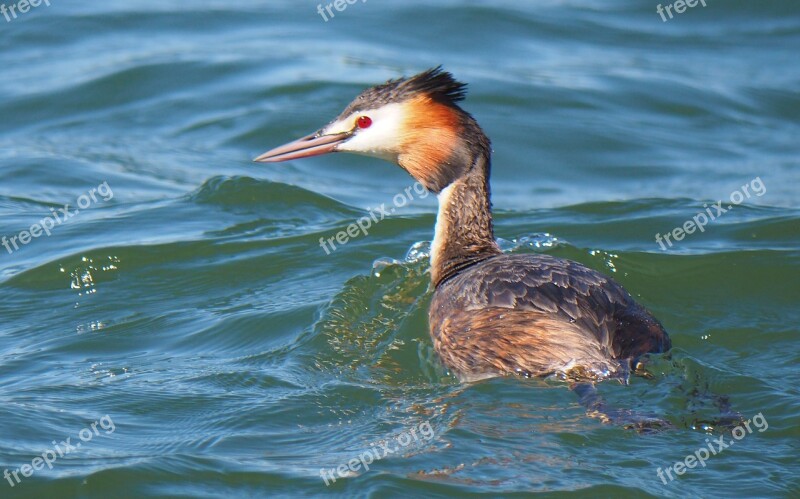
(491, 314)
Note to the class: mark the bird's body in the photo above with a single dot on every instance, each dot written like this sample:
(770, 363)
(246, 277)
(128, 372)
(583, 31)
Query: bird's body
(491, 314)
(537, 315)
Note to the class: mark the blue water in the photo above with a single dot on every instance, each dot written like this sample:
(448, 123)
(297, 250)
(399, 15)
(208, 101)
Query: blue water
(188, 312)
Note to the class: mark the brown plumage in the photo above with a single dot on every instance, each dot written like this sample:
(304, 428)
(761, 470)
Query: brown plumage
(536, 315)
(491, 314)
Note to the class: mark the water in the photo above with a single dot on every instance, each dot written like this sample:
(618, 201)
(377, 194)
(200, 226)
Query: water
(189, 313)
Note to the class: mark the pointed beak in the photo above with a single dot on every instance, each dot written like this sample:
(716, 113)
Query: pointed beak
(305, 147)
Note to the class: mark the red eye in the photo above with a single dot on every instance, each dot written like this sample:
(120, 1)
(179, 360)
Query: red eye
(364, 122)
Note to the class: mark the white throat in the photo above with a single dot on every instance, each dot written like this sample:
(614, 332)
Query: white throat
(442, 225)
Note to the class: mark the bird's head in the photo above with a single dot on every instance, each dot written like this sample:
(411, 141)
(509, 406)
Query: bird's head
(413, 122)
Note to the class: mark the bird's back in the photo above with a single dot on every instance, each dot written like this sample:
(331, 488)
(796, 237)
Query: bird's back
(537, 315)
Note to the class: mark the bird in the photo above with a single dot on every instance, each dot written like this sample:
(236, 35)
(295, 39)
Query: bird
(492, 313)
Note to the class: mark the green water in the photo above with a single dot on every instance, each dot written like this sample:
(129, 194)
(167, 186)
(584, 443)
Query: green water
(188, 312)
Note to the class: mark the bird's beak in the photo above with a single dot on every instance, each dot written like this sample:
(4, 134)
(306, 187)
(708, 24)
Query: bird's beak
(305, 147)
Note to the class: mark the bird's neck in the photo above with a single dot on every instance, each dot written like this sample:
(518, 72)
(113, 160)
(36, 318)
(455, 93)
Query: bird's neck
(464, 231)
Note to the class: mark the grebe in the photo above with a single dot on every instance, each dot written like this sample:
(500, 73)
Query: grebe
(492, 314)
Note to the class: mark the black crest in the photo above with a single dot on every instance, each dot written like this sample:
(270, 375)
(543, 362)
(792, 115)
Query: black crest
(436, 83)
